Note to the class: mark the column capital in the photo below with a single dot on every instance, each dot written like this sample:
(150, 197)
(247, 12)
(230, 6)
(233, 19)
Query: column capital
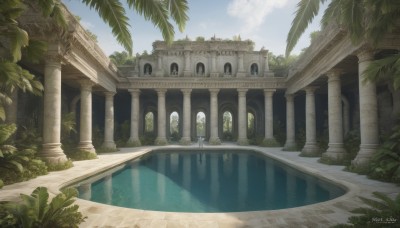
(161, 92)
(289, 97)
(134, 91)
(213, 91)
(310, 89)
(109, 93)
(334, 71)
(186, 91)
(242, 91)
(365, 54)
(86, 84)
(269, 92)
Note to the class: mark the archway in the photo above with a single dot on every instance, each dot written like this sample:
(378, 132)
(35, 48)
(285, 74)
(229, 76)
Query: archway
(174, 69)
(200, 124)
(227, 126)
(200, 69)
(174, 126)
(251, 123)
(227, 69)
(254, 69)
(147, 69)
(149, 122)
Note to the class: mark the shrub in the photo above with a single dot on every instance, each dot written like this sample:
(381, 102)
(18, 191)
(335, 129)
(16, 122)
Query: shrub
(35, 211)
(382, 213)
(385, 164)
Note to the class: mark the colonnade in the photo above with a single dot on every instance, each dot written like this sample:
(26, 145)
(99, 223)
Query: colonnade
(338, 117)
(53, 153)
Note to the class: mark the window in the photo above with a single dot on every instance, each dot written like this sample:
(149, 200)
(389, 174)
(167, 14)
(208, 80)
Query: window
(254, 69)
(227, 69)
(147, 69)
(200, 69)
(227, 131)
(174, 69)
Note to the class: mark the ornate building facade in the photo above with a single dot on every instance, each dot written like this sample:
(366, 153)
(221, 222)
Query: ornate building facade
(326, 87)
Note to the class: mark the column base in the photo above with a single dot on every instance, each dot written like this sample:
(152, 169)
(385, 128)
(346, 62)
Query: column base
(53, 154)
(87, 146)
(334, 154)
(243, 142)
(185, 141)
(214, 141)
(133, 143)
(161, 141)
(270, 143)
(109, 145)
(310, 150)
(290, 146)
(364, 156)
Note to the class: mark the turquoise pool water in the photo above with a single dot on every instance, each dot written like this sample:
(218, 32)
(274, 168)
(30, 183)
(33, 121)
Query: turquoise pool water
(207, 181)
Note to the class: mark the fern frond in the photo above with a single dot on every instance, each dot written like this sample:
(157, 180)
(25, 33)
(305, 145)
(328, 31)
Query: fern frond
(178, 9)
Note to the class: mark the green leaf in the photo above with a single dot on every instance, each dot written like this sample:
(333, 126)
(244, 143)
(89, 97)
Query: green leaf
(41, 195)
(113, 13)
(178, 9)
(306, 11)
(18, 40)
(17, 165)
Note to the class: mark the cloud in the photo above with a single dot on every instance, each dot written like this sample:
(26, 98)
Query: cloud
(253, 12)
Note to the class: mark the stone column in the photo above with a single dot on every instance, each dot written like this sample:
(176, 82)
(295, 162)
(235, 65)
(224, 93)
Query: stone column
(310, 148)
(109, 143)
(214, 139)
(269, 139)
(186, 139)
(52, 152)
(134, 137)
(242, 117)
(85, 134)
(161, 137)
(368, 112)
(290, 144)
(335, 150)
(240, 73)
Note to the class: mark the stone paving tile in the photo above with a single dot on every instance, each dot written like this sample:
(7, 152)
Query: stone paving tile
(316, 215)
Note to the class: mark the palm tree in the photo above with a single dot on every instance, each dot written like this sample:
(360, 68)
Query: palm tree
(367, 20)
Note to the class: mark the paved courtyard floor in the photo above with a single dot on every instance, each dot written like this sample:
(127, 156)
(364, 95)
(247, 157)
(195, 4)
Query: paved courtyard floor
(317, 215)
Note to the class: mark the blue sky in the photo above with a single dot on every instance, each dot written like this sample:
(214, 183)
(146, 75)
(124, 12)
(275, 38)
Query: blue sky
(266, 22)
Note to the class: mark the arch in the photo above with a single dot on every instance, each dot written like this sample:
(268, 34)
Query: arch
(174, 126)
(228, 69)
(251, 125)
(149, 122)
(254, 69)
(227, 126)
(201, 124)
(147, 69)
(200, 69)
(174, 69)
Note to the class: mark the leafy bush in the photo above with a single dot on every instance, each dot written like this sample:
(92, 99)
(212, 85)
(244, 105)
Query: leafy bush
(382, 213)
(122, 133)
(35, 211)
(97, 137)
(385, 164)
(279, 133)
(60, 166)
(148, 138)
(18, 164)
(80, 155)
(300, 138)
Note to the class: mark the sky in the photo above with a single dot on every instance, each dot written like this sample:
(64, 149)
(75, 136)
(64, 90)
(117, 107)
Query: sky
(266, 22)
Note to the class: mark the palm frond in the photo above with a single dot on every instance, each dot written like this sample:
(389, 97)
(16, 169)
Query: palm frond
(386, 68)
(306, 11)
(178, 9)
(352, 19)
(332, 13)
(156, 11)
(113, 13)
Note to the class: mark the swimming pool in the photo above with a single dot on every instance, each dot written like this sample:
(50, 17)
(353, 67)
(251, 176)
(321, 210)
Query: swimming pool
(206, 181)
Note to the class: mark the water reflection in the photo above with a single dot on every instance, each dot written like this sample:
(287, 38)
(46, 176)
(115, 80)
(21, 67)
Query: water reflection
(222, 181)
